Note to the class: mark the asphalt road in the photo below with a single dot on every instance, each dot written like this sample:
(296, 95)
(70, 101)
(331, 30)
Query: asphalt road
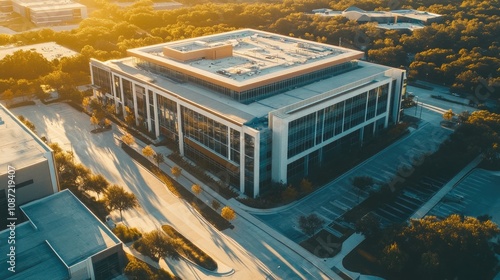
(252, 253)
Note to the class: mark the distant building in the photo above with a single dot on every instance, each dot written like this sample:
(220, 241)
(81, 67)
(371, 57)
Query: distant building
(33, 161)
(49, 50)
(393, 20)
(48, 12)
(62, 239)
(251, 106)
(156, 5)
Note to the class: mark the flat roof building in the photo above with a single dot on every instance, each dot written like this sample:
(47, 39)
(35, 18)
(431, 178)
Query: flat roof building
(27, 161)
(49, 12)
(392, 20)
(253, 106)
(62, 239)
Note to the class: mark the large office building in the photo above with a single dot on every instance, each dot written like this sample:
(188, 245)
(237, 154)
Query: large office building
(254, 106)
(27, 165)
(62, 240)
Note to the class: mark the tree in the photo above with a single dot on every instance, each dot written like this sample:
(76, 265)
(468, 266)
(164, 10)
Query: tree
(289, 194)
(119, 199)
(96, 183)
(94, 121)
(215, 204)
(176, 171)
(306, 186)
(393, 258)
(196, 189)
(443, 249)
(369, 225)
(148, 151)
(448, 115)
(138, 270)
(158, 245)
(361, 183)
(129, 116)
(8, 95)
(27, 123)
(310, 224)
(86, 103)
(228, 213)
(158, 158)
(107, 122)
(128, 139)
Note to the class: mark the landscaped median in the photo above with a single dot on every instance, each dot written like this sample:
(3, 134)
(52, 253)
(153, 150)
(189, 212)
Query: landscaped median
(188, 250)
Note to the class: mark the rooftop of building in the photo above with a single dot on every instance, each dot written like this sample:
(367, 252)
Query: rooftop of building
(60, 233)
(48, 3)
(400, 26)
(250, 114)
(19, 146)
(49, 50)
(245, 56)
(408, 13)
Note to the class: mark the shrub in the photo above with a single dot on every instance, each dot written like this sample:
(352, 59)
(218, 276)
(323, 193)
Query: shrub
(127, 234)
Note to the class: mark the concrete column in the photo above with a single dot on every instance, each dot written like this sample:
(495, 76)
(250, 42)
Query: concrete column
(389, 94)
(242, 161)
(53, 174)
(155, 108)
(256, 166)
(134, 99)
(179, 125)
(148, 113)
(122, 96)
(279, 149)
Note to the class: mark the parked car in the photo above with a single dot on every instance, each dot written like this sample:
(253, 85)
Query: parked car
(109, 221)
(455, 94)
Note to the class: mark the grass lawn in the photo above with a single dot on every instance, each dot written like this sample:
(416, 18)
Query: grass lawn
(323, 244)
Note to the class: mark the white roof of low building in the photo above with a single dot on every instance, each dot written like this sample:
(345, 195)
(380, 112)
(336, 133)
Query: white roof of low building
(19, 146)
(63, 222)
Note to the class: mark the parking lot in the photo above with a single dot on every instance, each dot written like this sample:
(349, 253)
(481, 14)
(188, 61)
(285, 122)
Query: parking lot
(477, 194)
(338, 196)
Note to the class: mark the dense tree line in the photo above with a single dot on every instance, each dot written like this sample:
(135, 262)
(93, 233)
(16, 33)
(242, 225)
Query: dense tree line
(461, 51)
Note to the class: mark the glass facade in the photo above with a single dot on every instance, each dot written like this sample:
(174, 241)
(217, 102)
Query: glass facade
(102, 79)
(127, 93)
(205, 131)
(140, 94)
(313, 129)
(167, 116)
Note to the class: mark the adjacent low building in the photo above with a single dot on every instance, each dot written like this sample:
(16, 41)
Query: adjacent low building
(49, 12)
(392, 20)
(27, 165)
(252, 106)
(62, 239)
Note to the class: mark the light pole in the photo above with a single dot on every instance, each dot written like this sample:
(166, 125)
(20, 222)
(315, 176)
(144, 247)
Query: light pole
(416, 106)
(421, 109)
